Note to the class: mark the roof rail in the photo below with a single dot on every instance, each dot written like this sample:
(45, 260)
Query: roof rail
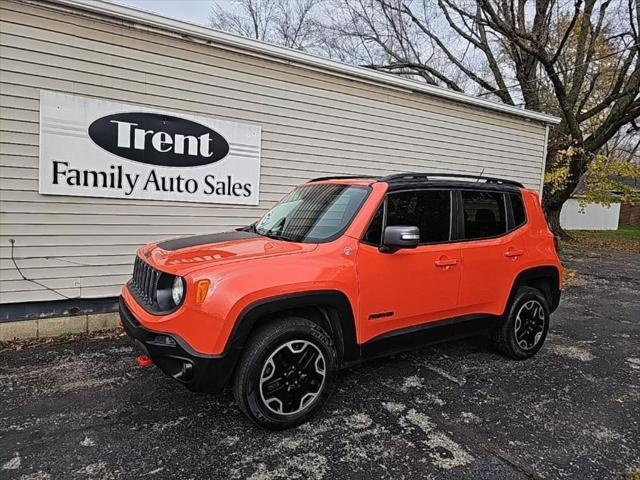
(433, 176)
(343, 177)
(422, 176)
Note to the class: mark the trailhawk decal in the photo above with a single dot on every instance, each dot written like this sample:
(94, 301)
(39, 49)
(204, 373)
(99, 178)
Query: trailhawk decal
(98, 148)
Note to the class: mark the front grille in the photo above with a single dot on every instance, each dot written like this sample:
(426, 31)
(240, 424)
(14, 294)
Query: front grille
(144, 282)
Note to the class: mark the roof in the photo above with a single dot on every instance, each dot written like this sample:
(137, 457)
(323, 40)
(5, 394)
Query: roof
(581, 188)
(359, 180)
(411, 180)
(190, 30)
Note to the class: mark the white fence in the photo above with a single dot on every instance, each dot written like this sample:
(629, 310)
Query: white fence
(592, 216)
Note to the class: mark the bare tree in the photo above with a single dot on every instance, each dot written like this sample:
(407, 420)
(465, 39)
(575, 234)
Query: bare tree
(625, 145)
(578, 60)
(291, 23)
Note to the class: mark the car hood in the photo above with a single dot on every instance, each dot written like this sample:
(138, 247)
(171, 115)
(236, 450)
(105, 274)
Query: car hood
(183, 255)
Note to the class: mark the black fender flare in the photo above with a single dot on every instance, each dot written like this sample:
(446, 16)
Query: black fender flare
(333, 304)
(530, 275)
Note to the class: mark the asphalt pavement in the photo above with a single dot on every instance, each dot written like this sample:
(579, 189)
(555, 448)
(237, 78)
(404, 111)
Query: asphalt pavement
(84, 410)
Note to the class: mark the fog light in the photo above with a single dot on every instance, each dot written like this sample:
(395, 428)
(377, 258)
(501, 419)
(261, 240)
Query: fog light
(202, 287)
(164, 340)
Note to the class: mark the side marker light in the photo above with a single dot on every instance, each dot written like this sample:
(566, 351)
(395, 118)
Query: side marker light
(202, 288)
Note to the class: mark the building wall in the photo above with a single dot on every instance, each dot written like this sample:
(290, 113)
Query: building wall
(313, 123)
(592, 217)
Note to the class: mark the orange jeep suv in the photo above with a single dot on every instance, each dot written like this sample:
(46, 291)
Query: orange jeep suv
(341, 270)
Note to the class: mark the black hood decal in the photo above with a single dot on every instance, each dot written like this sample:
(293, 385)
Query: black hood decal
(186, 242)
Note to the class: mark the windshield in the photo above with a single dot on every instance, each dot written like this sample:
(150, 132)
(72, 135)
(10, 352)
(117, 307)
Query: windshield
(313, 213)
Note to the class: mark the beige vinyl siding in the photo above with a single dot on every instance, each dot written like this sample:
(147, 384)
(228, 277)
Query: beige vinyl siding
(313, 123)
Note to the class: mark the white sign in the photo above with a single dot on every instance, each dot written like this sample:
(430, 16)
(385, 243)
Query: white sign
(97, 148)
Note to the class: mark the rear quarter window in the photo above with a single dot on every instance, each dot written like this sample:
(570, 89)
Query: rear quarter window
(517, 206)
(484, 214)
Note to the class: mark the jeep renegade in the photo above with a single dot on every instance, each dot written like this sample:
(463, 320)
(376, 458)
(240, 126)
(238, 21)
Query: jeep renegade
(341, 270)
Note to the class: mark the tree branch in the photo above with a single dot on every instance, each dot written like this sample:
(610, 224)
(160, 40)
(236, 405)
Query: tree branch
(417, 68)
(616, 91)
(482, 44)
(416, 21)
(568, 31)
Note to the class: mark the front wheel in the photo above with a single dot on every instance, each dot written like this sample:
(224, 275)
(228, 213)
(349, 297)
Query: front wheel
(525, 325)
(285, 373)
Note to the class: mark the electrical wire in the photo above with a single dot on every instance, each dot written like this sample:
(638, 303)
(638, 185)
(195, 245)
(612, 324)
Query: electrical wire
(64, 260)
(24, 277)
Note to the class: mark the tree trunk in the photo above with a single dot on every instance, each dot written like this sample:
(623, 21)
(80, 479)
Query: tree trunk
(552, 203)
(553, 219)
(553, 198)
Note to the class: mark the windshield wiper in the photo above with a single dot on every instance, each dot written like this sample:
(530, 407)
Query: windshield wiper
(249, 228)
(274, 235)
(271, 233)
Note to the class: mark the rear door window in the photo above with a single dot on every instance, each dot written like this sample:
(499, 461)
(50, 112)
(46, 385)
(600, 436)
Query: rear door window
(484, 214)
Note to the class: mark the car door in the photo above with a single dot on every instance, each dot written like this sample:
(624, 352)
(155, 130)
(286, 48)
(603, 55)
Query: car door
(410, 286)
(492, 251)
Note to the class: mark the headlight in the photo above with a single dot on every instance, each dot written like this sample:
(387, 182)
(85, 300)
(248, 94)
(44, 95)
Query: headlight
(177, 290)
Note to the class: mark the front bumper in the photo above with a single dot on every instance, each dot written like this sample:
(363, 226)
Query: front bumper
(198, 372)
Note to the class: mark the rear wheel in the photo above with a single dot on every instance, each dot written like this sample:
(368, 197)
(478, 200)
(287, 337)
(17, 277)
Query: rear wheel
(525, 326)
(285, 373)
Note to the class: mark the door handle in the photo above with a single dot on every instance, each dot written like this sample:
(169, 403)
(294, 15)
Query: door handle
(446, 262)
(512, 253)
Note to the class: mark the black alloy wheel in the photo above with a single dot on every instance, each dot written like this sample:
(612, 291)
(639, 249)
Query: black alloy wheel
(529, 324)
(292, 377)
(525, 324)
(285, 373)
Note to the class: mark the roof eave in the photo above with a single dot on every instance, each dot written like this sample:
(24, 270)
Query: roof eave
(185, 28)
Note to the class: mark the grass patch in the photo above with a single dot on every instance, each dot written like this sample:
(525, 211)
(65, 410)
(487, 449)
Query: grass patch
(628, 232)
(626, 238)
(633, 475)
(66, 336)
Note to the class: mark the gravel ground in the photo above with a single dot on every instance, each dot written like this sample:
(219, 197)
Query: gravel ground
(84, 410)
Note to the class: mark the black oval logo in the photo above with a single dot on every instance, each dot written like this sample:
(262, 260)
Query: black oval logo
(158, 139)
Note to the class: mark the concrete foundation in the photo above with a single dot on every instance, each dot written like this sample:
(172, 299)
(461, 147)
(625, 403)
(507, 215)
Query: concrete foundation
(53, 327)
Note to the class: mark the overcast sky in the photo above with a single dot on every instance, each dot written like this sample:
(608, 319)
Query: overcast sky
(195, 11)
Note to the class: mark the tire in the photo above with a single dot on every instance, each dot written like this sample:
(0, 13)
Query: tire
(525, 326)
(285, 373)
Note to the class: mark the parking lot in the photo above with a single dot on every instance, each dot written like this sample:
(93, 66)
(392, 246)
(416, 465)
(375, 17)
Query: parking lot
(83, 409)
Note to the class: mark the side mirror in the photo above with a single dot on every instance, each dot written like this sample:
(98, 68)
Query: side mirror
(397, 237)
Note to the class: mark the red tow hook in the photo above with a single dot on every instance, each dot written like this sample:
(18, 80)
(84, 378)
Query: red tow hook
(144, 361)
